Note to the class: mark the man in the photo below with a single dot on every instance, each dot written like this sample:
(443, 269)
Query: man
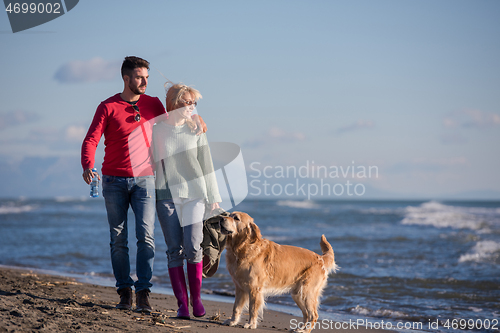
(118, 118)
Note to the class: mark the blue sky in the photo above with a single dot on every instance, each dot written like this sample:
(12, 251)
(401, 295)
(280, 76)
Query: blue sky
(409, 87)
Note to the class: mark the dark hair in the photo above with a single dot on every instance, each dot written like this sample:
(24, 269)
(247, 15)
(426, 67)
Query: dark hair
(131, 63)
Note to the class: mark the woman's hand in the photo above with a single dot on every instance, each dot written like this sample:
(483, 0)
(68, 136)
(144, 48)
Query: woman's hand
(214, 206)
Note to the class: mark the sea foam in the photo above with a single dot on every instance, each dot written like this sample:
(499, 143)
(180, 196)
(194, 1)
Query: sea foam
(443, 216)
(13, 209)
(298, 204)
(482, 251)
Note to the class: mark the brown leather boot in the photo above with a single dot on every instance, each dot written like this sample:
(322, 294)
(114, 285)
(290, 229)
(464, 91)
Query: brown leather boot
(125, 299)
(142, 301)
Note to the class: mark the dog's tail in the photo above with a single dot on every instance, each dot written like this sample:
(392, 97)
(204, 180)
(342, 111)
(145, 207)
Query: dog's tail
(328, 255)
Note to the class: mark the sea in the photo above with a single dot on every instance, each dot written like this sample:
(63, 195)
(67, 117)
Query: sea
(431, 266)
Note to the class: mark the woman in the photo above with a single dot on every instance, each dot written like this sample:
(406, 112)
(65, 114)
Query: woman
(185, 183)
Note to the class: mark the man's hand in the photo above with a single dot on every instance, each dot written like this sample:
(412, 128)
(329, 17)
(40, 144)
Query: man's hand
(200, 124)
(88, 175)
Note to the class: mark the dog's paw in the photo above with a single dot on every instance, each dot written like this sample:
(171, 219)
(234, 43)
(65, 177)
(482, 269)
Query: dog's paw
(230, 322)
(250, 326)
(299, 330)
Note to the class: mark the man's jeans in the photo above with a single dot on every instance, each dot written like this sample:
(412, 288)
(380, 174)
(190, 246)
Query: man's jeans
(138, 192)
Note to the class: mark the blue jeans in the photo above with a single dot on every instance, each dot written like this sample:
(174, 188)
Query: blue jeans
(120, 193)
(182, 226)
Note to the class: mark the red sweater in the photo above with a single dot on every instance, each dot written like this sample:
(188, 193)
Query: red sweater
(125, 155)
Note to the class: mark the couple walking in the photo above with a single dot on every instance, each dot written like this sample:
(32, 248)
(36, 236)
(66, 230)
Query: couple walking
(176, 149)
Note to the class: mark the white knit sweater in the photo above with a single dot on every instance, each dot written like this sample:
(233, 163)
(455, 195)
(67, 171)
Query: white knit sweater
(184, 167)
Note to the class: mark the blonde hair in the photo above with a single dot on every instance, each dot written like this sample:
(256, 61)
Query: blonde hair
(174, 95)
(175, 92)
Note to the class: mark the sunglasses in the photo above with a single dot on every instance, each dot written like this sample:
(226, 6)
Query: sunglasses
(137, 116)
(188, 102)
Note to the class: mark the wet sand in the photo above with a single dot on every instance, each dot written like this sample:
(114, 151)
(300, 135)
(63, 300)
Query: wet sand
(35, 302)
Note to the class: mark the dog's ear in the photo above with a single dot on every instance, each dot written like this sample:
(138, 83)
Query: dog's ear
(255, 234)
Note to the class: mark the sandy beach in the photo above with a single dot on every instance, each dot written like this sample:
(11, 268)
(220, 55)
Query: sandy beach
(35, 302)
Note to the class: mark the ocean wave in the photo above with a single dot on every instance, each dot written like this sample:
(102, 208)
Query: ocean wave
(298, 204)
(11, 208)
(64, 199)
(436, 214)
(382, 211)
(279, 239)
(483, 251)
(385, 313)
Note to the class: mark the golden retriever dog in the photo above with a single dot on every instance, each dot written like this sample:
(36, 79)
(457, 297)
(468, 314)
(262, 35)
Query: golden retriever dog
(260, 267)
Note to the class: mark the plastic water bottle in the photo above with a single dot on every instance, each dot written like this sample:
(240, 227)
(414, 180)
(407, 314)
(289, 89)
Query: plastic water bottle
(94, 185)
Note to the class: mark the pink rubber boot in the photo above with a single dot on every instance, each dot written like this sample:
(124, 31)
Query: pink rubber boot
(195, 274)
(178, 282)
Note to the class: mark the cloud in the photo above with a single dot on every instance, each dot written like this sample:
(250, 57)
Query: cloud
(471, 118)
(46, 140)
(456, 122)
(357, 125)
(427, 165)
(279, 134)
(453, 138)
(75, 133)
(93, 70)
(442, 161)
(274, 135)
(68, 134)
(17, 118)
(42, 176)
(42, 136)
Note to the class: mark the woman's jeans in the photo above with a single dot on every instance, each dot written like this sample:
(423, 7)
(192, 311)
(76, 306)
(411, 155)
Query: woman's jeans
(120, 193)
(181, 221)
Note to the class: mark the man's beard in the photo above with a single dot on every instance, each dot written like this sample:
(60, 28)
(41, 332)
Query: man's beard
(136, 91)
